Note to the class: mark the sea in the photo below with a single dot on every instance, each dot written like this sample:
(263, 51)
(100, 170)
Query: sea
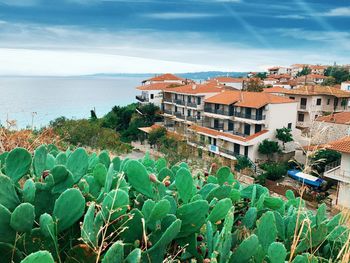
(35, 101)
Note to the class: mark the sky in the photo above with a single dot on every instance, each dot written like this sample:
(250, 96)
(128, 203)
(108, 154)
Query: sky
(79, 37)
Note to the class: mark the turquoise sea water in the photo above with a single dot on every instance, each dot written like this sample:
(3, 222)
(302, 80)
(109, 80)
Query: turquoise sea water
(52, 97)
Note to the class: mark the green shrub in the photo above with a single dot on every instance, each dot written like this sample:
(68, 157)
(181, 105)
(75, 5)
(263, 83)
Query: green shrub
(274, 171)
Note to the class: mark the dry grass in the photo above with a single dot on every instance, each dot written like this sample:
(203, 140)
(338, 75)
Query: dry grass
(26, 139)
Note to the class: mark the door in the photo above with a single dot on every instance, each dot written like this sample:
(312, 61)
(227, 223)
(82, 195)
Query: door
(257, 128)
(230, 126)
(246, 150)
(236, 148)
(248, 113)
(246, 129)
(259, 114)
(216, 123)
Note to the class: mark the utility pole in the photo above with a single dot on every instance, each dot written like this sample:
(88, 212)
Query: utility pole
(33, 114)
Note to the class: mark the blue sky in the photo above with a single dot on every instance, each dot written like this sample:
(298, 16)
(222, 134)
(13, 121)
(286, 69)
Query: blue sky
(72, 37)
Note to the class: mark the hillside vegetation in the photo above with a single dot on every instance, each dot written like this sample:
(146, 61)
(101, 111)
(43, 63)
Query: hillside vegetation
(77, 207)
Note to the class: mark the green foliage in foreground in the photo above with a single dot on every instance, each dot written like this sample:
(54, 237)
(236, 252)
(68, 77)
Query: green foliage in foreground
(74, 207)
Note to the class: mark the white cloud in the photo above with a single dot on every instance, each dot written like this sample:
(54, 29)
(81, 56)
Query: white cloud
(340, 11)
(27, 49)
(291, 16)
(178, 15)
(22, 3)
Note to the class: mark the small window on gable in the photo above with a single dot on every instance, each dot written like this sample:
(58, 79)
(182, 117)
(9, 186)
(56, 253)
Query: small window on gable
(318, 102)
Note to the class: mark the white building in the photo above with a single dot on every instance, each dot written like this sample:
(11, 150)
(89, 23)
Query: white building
(236, 122)
(314, 101)
(340, 171)
(345, 85)
(237, 83)
(152, 89)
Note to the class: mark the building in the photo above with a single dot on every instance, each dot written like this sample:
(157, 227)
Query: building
(152, 89)
(279, 70)
(330, 128)
(345, 85)
(184, 105)
(317, 69)
(296, 68)
(315, 101)
(235, 122)
(275, 90)
(237, 83)
(310, 79)
(270, 81)
(340, 171)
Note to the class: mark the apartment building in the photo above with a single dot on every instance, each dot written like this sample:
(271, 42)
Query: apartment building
(315, 101)
(310, 79)
(340, 171)
(296, 68)
(152, 89)
(184, 105)
(317, 69)
(235, 122)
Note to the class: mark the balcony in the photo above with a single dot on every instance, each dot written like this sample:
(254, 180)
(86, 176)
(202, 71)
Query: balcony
(333, 171)
(168, 112)
(168, 100)
(236, 133)
(229, 152)
(192, 118)
(250, 116)
(302, 107)
(141, 98)
(218, 111)
(192, 104)
(180, 102)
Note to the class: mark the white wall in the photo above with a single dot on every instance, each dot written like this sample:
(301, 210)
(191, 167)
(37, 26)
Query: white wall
(345, 86)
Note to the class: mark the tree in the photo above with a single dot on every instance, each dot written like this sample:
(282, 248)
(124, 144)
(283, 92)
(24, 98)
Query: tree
(329, 81)
(340, 74)
(305, 71)
(261, 75)
(156, 135)
(254, 85)
(284, 135)
(321, 158)
(268, 148)
(274, 171)
(242, 163)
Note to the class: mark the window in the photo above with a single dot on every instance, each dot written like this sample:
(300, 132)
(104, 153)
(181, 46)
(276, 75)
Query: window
(188, 112)
(198, 100)
(236, 148)
(318, 102)
(328, 101)
(316, 116)
(152, 96)
(301, 117)
(292, 98)
(258, 128)
(303, 101)
(289, 125)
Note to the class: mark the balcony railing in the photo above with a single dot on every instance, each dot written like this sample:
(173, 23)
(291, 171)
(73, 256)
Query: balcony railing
(218, 111)
(141, 98)
(236, 133)
(332, 165)
(192, 118)
(180, 102)
(218, 127)
(302, 107)
(168, 112)
(229, 152)
(168, 100)
(192, 104)
(250, 116)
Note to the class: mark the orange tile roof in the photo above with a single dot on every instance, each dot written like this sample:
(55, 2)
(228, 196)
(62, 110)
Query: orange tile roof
(247, 99)
(299, 65)
(163, 77)
(274, 89)
(156, 126)
(281, 76)
(339, 118)
(230, 79)
(274, 68)
(341, 145)
(315, 76)
(208, 87)
(157, 86)
(216, 133)
(318, 90)
(317, 67)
